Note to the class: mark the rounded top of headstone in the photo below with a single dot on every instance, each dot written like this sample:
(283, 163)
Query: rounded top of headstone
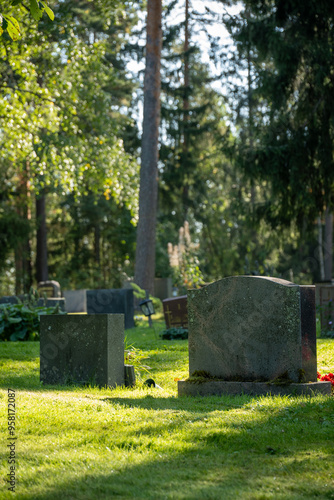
(269, 278)
(245, 281)
(248, 278)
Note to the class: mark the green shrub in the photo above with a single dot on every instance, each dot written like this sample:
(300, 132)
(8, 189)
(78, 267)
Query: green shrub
(21, 321)
(174, 334)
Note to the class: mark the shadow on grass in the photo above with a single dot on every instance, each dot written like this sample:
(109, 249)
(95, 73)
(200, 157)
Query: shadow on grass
(236, 460)
(161, 479)
(232, 461)
(189, 403)
(19, 367)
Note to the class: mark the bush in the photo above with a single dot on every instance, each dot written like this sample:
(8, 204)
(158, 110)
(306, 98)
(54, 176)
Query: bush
(174, 334)
(21, 321)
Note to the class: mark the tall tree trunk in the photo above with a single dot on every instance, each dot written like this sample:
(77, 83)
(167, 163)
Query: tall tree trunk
(320, 250)
(328, 245)
(148, 193)
(42, 273)
(18, 269)
(97, 237)
(250, 103)
(23, 266)
(185, 144)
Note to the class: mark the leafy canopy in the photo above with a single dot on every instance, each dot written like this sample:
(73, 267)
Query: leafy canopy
(10, 24)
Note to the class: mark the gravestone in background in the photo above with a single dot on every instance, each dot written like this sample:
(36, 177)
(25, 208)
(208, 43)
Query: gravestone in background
(49, 288)
(9, 299)
(41, 302)
(52, 302)
(251, 330)
(163, 288)
(110, 302)
(325, 302)
(76, 301)
(82, 349)
(176, 312)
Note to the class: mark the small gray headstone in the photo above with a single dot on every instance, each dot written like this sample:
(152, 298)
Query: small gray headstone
(49, 288)
(82, 349)
(76, 301)
(248, 329)
(9, 299)
(163, 288)
(52, 302)
(119, 301)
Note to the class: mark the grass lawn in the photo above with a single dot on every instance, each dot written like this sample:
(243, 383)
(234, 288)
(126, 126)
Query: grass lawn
(146, 443)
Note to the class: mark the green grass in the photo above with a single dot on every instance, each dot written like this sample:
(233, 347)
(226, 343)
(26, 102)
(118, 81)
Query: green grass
(146, 443)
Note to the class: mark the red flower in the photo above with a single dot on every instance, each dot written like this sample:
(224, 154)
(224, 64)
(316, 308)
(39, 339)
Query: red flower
(327, 378)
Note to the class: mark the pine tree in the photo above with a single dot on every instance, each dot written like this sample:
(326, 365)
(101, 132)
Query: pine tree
(146, 229)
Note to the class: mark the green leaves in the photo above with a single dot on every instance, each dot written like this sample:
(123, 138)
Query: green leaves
(48, 11)
(35, 11)
(21, 321)
(10, 24)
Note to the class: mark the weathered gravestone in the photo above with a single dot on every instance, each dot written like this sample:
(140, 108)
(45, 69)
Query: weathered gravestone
(82, 349)
(49, 288)
(41, 302)
(76, 301)
(254, 335)
(10, 299)
(119, 301)
(52, 302)
(163, 288)
(176, 312)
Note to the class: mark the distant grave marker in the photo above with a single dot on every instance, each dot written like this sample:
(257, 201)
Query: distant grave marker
(49, 288)
(76, 301)
(325, 301)
(163, 288)
(176, 312)
(52, 302)
(112, 301)
(10, 299)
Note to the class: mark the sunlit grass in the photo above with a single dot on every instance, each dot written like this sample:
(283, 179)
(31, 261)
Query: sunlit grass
(91, 443)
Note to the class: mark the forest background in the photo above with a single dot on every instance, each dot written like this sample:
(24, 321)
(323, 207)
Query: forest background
(246, 142)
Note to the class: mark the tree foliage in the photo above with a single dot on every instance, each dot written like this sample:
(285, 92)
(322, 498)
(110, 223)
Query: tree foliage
(236, 166)
(64, 102)
(10, 24)
(293, 146)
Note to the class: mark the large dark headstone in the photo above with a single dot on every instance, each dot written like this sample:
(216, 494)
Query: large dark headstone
(82, 349)
(252, 329)
(110, 302)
